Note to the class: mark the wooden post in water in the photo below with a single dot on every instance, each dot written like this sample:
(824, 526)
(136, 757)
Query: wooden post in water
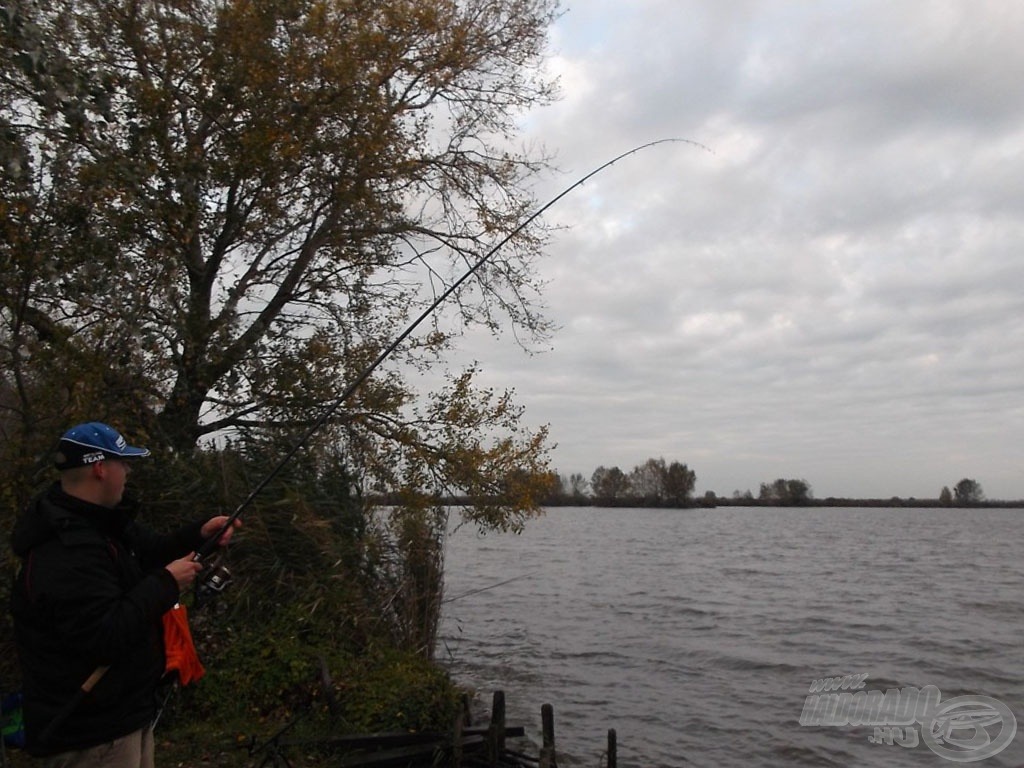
(547, 750)
(460, 722)
(613, 749)
(496, 730)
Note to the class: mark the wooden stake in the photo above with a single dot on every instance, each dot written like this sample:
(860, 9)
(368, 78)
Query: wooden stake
(460, 719)
(496, 731)
(547, 751)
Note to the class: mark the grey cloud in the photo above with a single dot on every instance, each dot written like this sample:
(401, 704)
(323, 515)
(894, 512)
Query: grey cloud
(832, 291)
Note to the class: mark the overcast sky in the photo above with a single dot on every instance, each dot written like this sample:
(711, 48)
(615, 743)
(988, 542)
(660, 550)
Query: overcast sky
(833, 290)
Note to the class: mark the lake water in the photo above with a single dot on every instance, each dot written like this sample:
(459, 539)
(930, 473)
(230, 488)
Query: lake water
(696, 634)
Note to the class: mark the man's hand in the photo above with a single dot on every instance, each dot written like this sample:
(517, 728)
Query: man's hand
(214, 524)
(185, 571)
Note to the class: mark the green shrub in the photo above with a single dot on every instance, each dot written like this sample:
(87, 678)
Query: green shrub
(393, 690)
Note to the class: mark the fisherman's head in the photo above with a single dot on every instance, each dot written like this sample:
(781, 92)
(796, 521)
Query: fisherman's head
(94, 461)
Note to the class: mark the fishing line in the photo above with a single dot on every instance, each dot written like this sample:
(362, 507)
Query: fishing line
(485, 589)
(210, 544)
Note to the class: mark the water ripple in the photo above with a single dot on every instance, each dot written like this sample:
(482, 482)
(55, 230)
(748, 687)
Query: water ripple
(696, 634)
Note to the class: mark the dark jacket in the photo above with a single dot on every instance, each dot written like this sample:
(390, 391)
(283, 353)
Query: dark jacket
(91, 591)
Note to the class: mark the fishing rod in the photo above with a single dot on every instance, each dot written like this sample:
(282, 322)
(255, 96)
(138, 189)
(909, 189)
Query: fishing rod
(216, 577)
(219, 578)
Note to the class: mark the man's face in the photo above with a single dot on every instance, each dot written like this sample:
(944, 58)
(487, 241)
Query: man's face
(115, 475)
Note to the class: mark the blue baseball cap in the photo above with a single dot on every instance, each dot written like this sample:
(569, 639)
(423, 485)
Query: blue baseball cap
(88, 443)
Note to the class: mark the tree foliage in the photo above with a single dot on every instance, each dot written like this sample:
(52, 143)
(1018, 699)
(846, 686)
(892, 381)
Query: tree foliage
(653, 483)
(678, 482)
(656, 482)
(786, 493)
(216, 213)
(968, 492)
(577, 487)
(609, 484)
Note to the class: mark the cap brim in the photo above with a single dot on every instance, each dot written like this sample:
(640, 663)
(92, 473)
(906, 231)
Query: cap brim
(133, 453)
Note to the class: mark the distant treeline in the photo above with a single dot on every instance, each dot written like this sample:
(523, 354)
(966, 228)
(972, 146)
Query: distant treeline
(895, 501)
(711, 501)
(656, 483)
(660, 484)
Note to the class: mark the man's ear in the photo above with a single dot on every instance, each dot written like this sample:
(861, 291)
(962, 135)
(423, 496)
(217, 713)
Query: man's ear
(98, 469)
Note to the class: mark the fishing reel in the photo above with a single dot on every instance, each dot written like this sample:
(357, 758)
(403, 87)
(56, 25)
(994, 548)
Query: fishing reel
(214, 577)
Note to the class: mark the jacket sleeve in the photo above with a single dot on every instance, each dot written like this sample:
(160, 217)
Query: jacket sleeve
(157, 550)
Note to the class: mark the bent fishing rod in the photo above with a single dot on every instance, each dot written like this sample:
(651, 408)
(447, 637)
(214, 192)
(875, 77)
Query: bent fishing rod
(217, 577)
(210, 545)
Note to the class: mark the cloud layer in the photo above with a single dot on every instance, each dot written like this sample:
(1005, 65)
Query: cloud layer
(829, 287)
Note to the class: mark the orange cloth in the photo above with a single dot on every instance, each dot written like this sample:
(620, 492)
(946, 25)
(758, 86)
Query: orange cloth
(179, 648)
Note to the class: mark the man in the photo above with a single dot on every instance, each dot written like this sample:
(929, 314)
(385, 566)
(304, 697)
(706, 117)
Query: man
(90, 593)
